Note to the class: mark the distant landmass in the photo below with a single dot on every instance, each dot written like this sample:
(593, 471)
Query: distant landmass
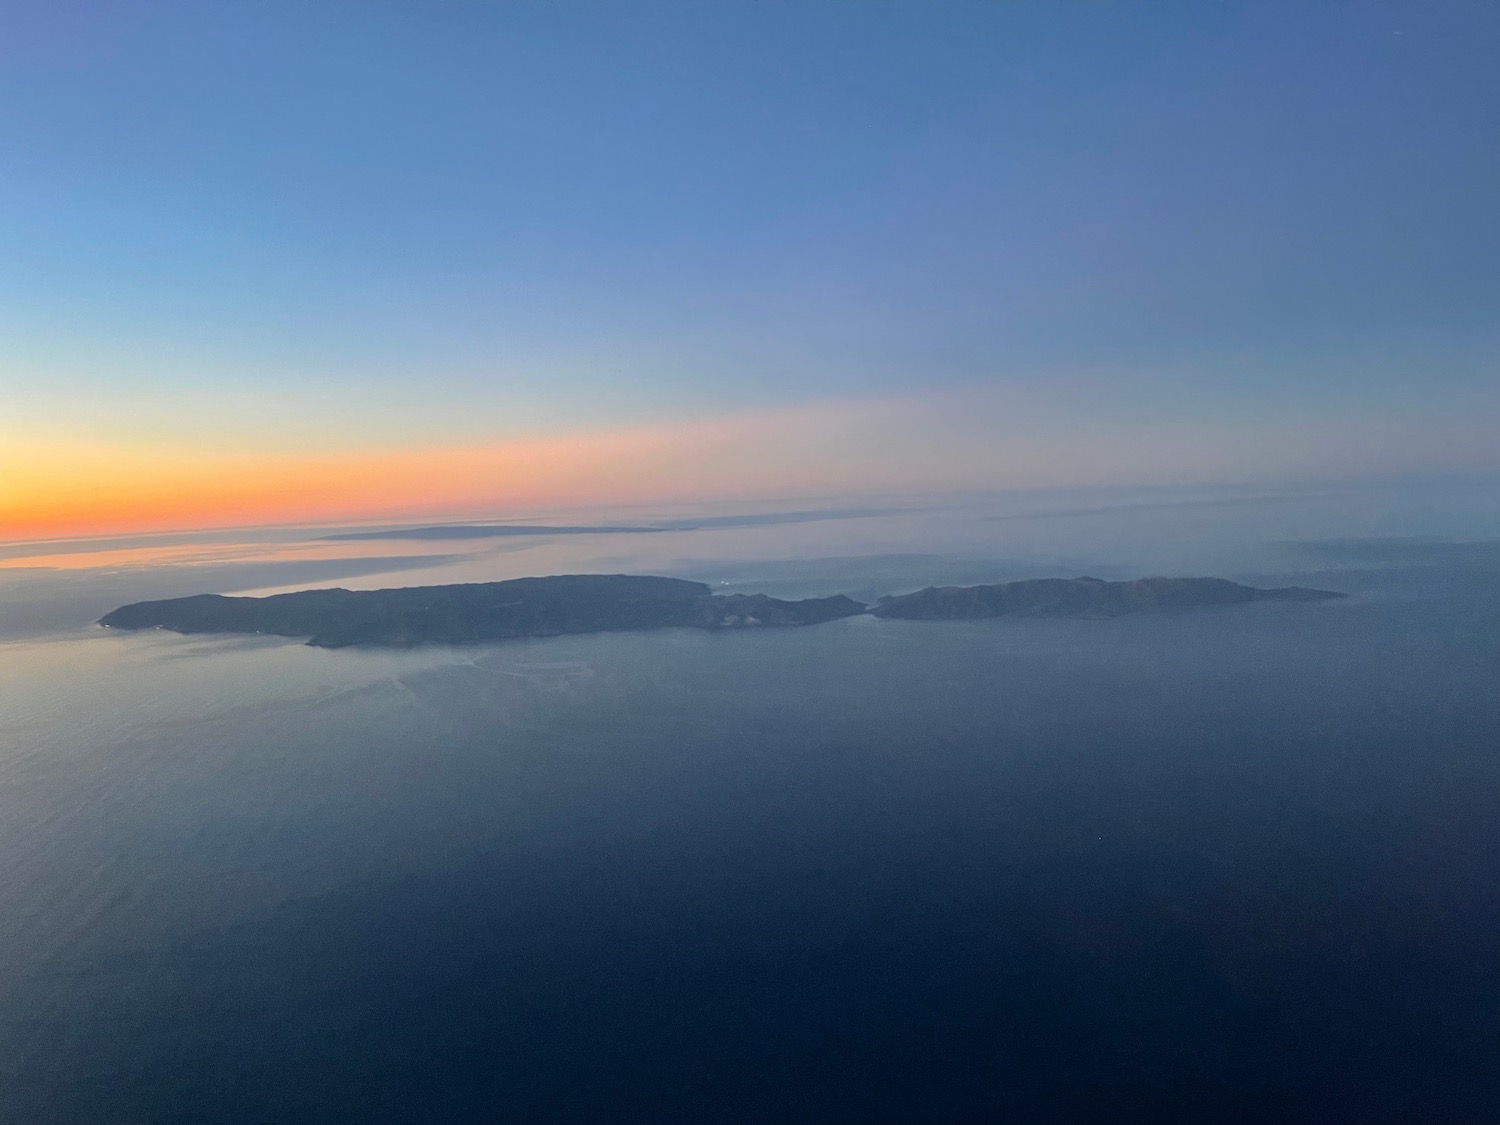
(706, 523)
(1082, 597)
(598, 603)
(487, 531)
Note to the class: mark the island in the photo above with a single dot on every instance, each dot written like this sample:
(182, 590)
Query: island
(597, 603)
(484, 611)
(1082, 597)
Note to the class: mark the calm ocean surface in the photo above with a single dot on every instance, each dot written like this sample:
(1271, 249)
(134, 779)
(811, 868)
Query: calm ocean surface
(1239, 865)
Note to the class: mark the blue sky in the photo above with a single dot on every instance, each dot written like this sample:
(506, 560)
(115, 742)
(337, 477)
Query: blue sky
(360, 224)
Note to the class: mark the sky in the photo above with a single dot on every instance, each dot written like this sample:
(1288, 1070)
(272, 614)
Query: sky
(293, 262)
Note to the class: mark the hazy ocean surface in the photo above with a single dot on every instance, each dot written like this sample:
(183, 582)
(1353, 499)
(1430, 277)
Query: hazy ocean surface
(1237, 865)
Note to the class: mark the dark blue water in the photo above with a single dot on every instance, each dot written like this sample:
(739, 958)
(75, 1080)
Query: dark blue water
(1232, 866)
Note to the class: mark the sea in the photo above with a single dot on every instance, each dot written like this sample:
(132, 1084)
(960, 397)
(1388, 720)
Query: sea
(1236, 865)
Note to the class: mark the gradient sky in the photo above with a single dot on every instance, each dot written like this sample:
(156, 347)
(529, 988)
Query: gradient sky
(291, 261)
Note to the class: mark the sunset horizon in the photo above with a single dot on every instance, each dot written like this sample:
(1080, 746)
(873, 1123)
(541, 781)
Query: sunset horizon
(831, 562)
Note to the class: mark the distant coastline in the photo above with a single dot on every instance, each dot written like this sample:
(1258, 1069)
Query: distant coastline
(487, 531)
(459, 531)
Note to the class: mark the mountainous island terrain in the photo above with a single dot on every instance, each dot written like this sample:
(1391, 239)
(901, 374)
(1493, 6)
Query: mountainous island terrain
(597, 603)
(1082, 597)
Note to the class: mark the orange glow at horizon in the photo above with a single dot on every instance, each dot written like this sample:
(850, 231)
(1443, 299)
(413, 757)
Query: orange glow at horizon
(75, 488)
(63, 490)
